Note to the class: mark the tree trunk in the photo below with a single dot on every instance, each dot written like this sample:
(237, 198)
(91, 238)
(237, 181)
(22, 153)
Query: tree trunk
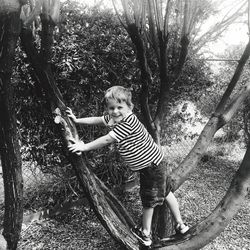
(10, 149)
(146, 79)
(107, 208)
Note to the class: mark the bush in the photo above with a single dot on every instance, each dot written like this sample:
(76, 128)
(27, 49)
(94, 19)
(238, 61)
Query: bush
(91, 52)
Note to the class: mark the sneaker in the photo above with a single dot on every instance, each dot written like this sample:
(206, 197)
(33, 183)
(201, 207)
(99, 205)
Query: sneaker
(144, 239)
(181, 229)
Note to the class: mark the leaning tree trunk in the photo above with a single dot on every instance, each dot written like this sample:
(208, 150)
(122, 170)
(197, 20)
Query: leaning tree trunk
(107, 208)
(9, 144)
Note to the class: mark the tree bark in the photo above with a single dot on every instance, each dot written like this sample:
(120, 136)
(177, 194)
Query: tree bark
(246, 121)
(146, 78)
(10, 148)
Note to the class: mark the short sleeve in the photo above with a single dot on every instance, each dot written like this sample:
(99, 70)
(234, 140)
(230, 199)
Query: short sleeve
(106, 119)
(113, 135)
(121, 131)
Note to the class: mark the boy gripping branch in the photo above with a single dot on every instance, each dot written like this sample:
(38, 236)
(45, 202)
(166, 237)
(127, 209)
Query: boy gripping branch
(139, 151)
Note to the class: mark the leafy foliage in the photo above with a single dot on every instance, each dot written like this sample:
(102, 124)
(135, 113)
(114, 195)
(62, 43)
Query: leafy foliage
(193, 84)
(91, 52)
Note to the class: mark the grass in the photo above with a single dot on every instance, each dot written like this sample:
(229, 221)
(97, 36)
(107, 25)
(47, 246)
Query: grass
(198, 196)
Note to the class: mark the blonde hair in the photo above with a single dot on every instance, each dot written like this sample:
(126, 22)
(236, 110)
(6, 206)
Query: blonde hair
(119, 94)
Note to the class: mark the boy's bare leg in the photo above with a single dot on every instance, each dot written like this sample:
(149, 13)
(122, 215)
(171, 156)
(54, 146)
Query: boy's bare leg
(174, 207)
(147, 220)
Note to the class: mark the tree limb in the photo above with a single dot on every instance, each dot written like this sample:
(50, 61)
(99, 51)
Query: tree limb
(108, 209)
(245, 56)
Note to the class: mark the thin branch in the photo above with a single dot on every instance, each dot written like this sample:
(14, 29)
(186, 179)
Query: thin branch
(248, 12)
(234, 80)
(167, 16)
(30, 16)
(236, 102)
(217, 29)
(118, 15)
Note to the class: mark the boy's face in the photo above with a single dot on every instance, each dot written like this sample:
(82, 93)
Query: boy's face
(118, 110)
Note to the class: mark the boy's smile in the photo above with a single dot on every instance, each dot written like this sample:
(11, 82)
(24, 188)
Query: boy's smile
(118, 110)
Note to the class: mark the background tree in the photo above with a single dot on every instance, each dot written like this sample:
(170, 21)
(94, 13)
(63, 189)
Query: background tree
(167, 27)
(9, 144)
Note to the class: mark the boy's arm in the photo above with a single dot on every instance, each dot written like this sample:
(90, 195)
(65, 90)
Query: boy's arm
(96, 120)
(85, 121)
(98, 143)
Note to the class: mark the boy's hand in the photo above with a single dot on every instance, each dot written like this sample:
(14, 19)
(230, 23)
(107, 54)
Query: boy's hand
(77, 147)
(71, 115)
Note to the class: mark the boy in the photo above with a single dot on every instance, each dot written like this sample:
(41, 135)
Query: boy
(139, 151)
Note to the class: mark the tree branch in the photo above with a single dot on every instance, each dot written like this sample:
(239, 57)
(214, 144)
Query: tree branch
(234, 80)
(215, 122)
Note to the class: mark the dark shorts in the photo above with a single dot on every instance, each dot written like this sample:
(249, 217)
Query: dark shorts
(155, 185)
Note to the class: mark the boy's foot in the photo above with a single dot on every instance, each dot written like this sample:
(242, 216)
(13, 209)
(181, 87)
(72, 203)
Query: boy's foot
(144, 239)
(182, 233)
(181, 229)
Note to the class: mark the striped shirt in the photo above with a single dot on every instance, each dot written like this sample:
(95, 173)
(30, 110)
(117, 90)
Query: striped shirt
(135, 144)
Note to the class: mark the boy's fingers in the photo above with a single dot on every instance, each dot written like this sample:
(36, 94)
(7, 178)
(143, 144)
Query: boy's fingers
(76, 151)
(72, 141)
(73, 150)
(69, 111)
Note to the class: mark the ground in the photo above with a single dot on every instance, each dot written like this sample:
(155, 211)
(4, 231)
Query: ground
(198, 196)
